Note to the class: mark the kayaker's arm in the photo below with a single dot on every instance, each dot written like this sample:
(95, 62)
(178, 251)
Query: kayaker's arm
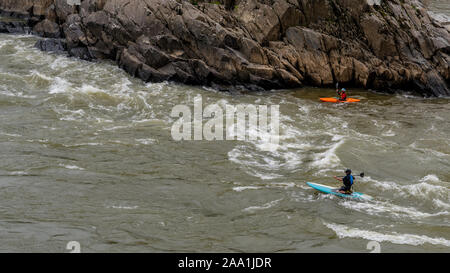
(338, 178)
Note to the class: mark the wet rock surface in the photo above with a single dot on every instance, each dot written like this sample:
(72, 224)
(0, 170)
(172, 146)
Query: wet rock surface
(258, 44)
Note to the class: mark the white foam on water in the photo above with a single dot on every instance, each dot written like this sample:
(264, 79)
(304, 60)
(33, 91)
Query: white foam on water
(263, 175)
(145, 141)
(89, 89)
(70, 167)
(299, 196)
(119, 98)
(17, 94)
(3, 42)
(427, 186)
(441, 204)
(17, 173)
(42, 141)
(58, 62)
(240, 155)
(143, 99)
(295, 144)
(376, 123)
(262, 207)
(71, 115)
(82, 144)
(36, 75)
(123, 207)
(343, 231)
(388, 133)
(243, 188)
(148, 120)
(431, 178)
(439, 118)
(329, 158)
(284, 185)
(114, 128)
(267, 146)
(255, 163)
(303, 110)
(286, 154)
(380, 208)
(428, 150)
(157, 89)
(427, 190)
(59, 86)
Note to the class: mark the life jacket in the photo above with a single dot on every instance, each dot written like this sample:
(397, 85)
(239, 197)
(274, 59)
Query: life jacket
(343, 95)
(348, 181)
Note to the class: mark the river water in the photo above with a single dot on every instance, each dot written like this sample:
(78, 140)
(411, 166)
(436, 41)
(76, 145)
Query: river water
(88, 156)
(440, 6)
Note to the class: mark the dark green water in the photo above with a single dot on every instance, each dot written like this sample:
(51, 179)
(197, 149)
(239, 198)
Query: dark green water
(88, 156)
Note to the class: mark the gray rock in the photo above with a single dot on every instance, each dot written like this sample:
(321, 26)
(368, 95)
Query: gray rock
(51, 45)
(254, 43)
(47, 28)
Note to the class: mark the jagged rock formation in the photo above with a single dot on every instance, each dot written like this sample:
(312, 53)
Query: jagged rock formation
(255, 43)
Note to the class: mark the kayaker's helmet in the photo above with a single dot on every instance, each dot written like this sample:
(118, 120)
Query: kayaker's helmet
(343, 89)
(348, 171)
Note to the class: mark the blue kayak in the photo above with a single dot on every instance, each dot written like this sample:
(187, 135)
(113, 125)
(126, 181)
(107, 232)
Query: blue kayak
(334, 191)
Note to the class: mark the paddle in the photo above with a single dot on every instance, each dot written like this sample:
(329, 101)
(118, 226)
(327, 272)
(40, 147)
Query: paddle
(361, 174)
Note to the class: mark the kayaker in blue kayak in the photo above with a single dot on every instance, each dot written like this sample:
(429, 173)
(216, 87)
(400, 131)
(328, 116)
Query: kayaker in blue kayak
(348, 182)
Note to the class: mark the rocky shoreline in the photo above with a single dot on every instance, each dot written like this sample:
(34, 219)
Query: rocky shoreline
(254, 44)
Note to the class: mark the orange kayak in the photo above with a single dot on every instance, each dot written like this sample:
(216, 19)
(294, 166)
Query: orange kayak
(336, 100)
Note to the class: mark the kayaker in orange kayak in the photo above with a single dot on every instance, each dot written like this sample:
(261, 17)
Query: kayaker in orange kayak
(342, 94)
